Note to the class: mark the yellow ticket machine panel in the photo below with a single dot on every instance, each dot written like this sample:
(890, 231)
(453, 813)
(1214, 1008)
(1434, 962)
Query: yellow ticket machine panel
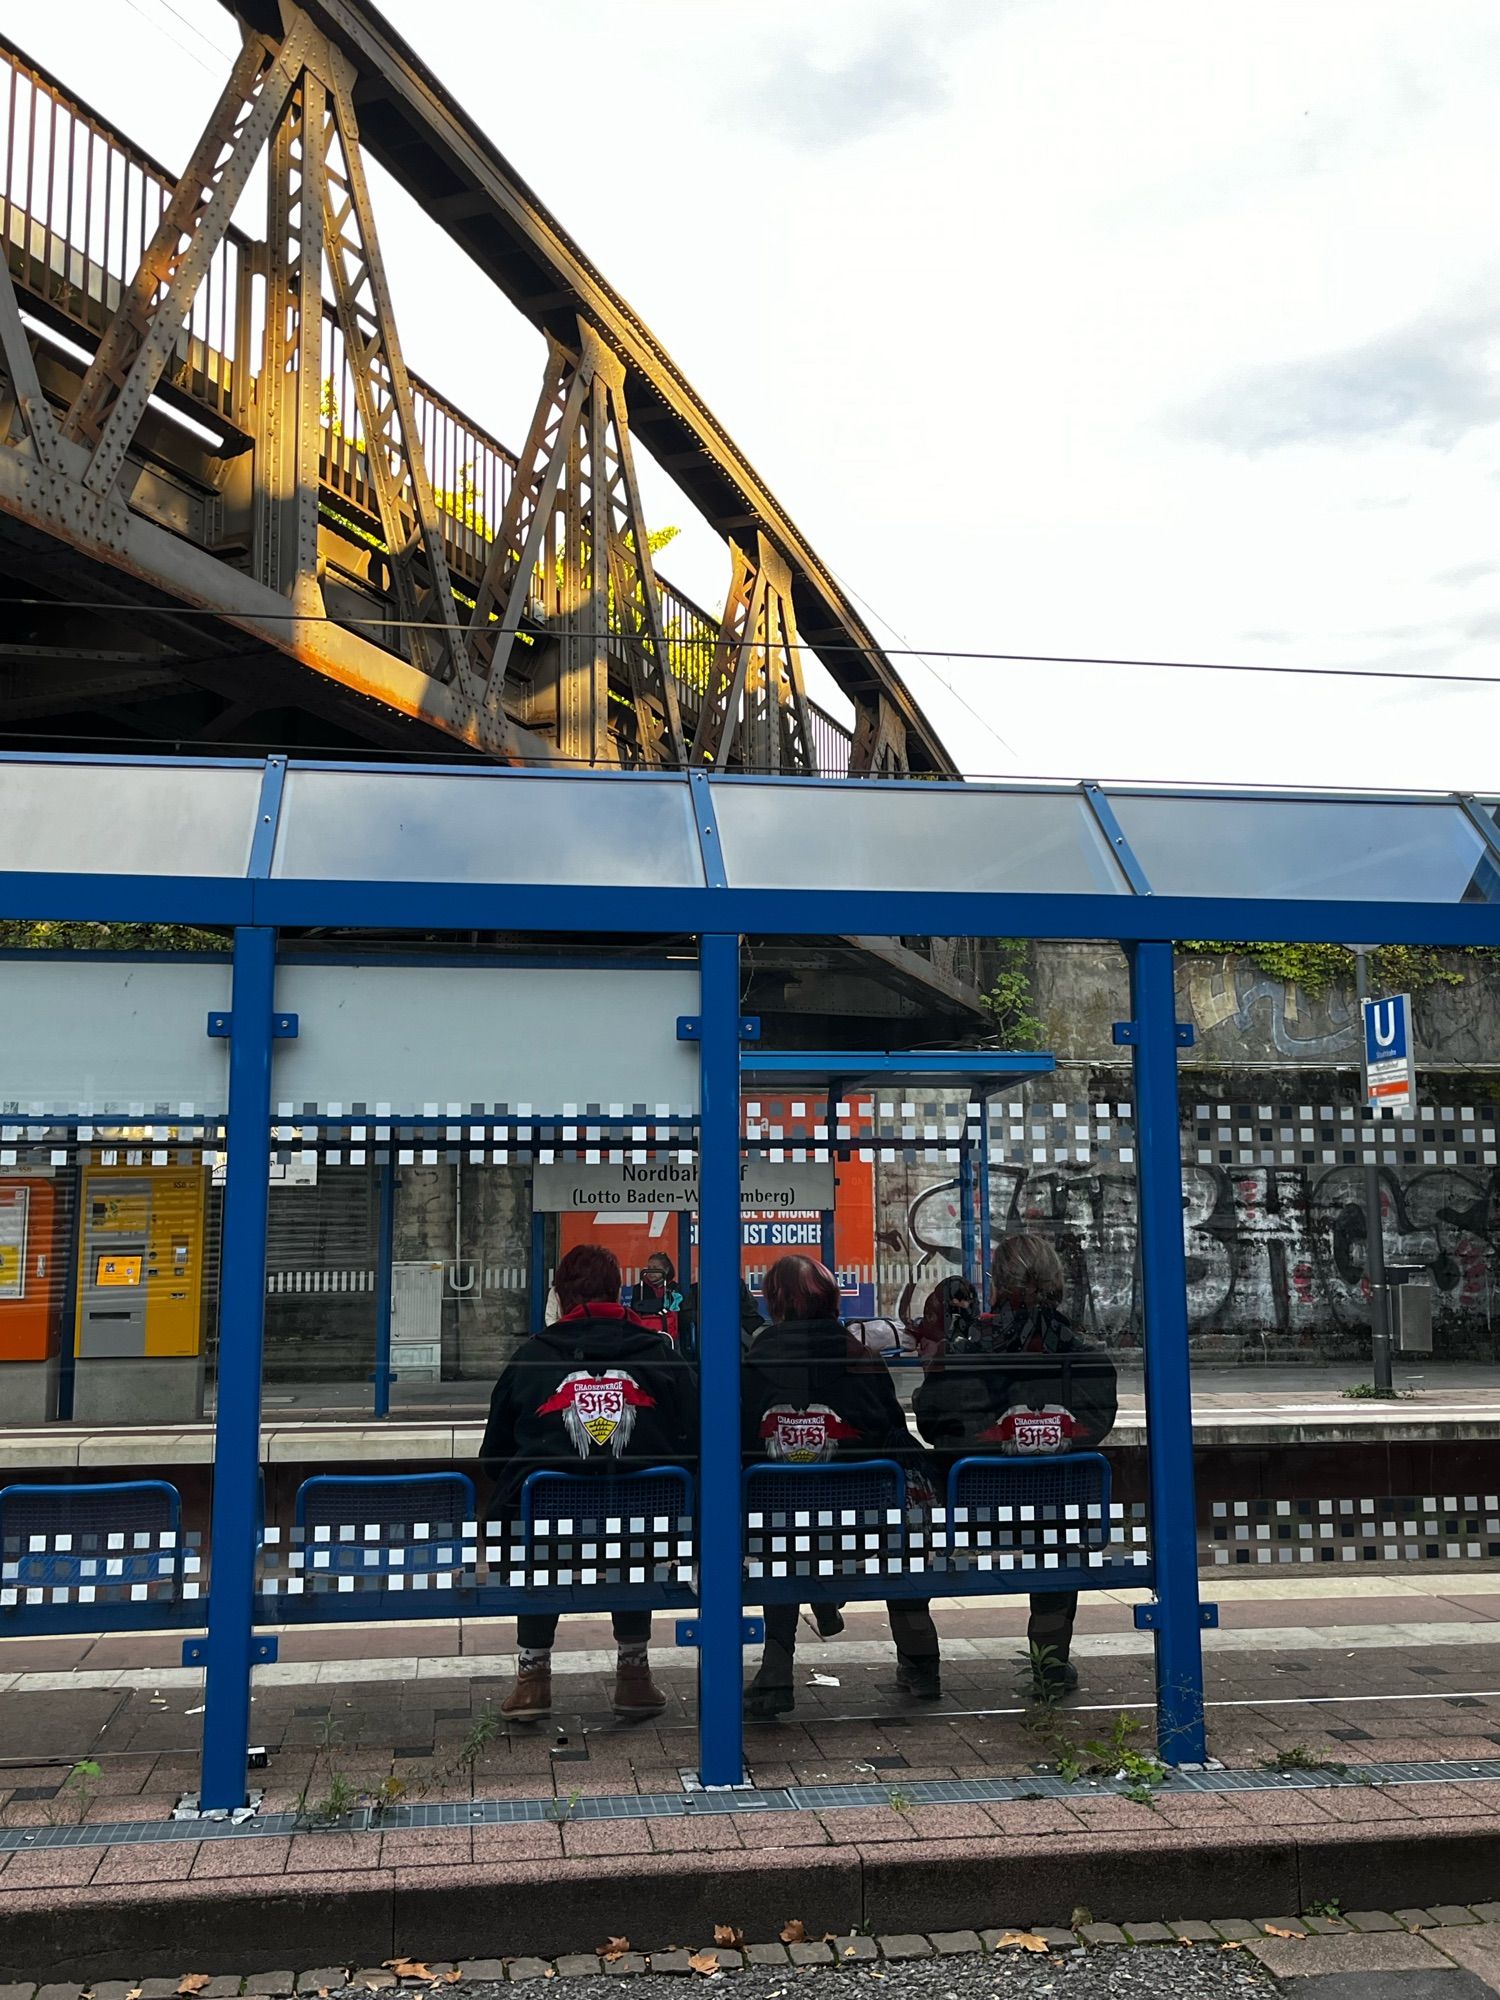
(140, 1278)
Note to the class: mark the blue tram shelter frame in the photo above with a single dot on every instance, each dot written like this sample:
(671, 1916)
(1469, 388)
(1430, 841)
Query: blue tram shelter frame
(430, 849)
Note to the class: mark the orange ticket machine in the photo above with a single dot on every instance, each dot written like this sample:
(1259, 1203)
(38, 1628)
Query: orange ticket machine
(33, 1246)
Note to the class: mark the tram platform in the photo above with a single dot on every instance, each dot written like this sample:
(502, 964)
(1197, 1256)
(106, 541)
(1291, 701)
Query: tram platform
(1357, 1721)
(1248, 1406)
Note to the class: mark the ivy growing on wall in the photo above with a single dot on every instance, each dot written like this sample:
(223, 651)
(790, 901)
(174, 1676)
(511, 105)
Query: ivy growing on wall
(18, 936)
(1398, 968)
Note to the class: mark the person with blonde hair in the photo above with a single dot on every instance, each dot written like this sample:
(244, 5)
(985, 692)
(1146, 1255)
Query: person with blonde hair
(1022, 1381)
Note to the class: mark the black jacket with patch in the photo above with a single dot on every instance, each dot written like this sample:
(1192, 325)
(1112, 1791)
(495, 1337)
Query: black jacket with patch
(594, 1396)
(811, 1393)
(1020, 1384)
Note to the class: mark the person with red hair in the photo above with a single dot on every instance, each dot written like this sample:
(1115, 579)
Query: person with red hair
(599, 1392)
(813, 1394)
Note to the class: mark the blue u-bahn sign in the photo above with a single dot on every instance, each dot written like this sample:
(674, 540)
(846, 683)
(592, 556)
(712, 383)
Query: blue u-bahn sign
(1390, 1070)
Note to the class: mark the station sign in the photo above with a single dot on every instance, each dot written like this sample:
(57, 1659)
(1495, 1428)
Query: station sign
(619, 1187)
(1390, 1072)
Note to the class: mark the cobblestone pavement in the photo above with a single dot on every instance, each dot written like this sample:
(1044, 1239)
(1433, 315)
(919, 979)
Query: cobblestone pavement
(1446, 1953)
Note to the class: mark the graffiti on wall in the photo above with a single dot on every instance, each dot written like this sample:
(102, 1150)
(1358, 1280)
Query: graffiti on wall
(1275, 1255)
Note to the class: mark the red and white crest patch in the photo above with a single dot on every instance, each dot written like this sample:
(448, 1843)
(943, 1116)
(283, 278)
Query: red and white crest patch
(598, 1409)
(1023, 1430)
(804, 1437)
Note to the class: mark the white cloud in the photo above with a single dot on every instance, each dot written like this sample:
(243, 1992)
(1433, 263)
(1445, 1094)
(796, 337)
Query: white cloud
(953, 273)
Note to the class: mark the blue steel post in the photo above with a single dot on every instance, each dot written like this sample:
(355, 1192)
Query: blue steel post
(966, 1207)
(986, 1220)
(242, 1289)
(538, 1274)
(1169, 1396)
(721, 1744)
(384, 1293)
(688, 1342)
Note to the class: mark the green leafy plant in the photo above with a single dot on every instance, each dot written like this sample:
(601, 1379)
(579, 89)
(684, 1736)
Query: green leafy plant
(16, 935)
(1317, 968)
(1009, 1001)
(340, 1799)
(80, 1783)
(897, 1800)
(562, 1810)
(1298, 1757)
(1115, 1755)
(480, 1734)
(1331, 1909)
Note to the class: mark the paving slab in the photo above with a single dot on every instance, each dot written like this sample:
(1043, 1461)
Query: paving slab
(1301, 1958)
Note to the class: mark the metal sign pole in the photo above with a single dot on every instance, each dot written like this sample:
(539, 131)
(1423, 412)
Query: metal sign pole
(1380, 1314)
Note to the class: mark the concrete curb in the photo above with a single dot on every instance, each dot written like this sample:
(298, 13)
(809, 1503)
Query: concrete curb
(244, 1924)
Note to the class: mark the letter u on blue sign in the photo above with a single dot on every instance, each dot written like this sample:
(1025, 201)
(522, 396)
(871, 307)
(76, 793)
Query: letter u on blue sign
(1385, 1039)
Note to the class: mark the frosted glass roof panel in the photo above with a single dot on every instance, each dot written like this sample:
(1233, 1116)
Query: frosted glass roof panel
(911, 837)
(127, 819)
(1361, 850)
(486, 826)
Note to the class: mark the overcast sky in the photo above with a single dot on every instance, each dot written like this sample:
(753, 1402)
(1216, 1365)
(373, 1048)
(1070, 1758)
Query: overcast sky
(1149, 328)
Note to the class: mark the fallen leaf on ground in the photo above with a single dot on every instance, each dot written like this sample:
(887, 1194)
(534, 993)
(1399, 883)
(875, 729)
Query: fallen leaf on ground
(729, 1934)
(1020, 1941)
(134, 1993)
(1234, 1944)
(453, 1976)
(193, 1982)
(613, 1948)
(794, 1931)
(704, 1962)
(1272, 1931)
(408, 1968)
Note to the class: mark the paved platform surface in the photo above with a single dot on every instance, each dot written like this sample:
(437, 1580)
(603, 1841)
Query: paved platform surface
(1308, 1673)
(1248, 1405)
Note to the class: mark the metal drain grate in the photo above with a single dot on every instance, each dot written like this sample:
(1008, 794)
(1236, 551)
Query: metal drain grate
(790, 1798)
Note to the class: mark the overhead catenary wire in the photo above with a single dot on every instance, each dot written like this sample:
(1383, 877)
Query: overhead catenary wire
(820, 648)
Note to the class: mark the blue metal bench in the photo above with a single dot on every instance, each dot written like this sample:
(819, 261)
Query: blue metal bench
(385, 1525)
(96, 1542)
(658, 1498)
(821, 1524)
(1053, 1506)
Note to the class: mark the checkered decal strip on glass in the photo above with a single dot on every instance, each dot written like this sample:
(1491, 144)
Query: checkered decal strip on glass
(1431, 1528)
(132, 1567)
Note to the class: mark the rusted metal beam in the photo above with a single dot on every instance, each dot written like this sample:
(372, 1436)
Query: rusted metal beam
(443, 157)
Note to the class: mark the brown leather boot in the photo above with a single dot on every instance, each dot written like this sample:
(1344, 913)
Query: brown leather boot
(531, 1697)
(635, 1691)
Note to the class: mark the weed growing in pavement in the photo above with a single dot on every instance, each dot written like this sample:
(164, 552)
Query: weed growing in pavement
(1364, 1392)
(897, 1800)
(561, 1810)
(80, 1782)
(1332, 1908)
(481, 1733)
(1116, 1757)
(1112, 1756)
(388, 1793)
(1297, 1757)
(340, 1800)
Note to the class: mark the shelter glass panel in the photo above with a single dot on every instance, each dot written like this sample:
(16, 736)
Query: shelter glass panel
(486, 827)
(1365, 850)
(910, 838)
(127, 819)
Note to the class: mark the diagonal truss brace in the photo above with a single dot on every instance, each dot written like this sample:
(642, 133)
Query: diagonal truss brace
(304, 82)
(755, 696)
(139, 339)
(578, 463)
(879, 746)
(387, 410)
(20, 366)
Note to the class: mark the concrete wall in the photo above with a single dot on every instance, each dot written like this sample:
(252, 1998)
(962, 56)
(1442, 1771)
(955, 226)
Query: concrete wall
(1276, 1252)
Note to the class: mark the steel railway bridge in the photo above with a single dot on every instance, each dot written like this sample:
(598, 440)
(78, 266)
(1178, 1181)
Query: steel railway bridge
(233, 518)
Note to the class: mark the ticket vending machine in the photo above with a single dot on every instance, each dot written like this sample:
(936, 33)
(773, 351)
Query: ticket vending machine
(32, 1255)
(139, 1332)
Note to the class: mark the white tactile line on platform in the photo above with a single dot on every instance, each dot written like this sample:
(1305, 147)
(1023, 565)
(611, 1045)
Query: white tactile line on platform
(832, 1653)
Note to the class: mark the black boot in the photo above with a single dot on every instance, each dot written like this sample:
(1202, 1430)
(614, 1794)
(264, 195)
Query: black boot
(829, 1619)
(922, 1678)
(764, 1704)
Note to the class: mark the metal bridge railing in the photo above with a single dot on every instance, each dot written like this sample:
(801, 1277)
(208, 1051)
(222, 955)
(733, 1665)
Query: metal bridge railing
(79, 204)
